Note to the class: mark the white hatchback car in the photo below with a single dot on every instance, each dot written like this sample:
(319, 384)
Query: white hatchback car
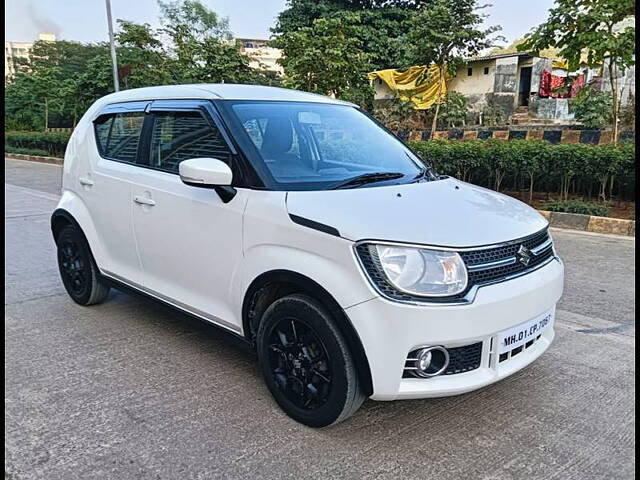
(299, 223)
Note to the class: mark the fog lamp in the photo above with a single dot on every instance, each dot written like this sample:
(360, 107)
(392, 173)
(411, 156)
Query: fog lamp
(432, 361)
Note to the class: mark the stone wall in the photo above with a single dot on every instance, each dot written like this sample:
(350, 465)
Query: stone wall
(552, 134)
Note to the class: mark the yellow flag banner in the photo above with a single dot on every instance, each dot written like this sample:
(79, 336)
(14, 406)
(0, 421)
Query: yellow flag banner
(419, 85)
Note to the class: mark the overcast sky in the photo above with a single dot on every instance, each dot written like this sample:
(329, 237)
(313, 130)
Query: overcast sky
(85, 20)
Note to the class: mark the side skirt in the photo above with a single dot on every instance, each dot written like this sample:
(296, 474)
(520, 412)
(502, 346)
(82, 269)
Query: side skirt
(121, 284)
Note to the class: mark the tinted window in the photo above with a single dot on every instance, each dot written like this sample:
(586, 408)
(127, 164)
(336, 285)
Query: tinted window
(118, 135)
(310, 146)
(103, 126)
(179, 136)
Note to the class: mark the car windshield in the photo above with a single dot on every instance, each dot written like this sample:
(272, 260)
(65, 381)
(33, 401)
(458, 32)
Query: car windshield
(313, 146)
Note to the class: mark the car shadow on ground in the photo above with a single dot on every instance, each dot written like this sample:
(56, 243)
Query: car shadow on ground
(240, 363)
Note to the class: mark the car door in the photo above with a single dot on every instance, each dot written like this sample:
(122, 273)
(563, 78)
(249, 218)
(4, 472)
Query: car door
(189, 240)
(104, 184)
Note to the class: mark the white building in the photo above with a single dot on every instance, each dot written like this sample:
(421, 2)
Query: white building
(263, 57)
(15, 50)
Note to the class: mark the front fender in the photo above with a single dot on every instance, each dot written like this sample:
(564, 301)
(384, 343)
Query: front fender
(272, 241)
(338, 274)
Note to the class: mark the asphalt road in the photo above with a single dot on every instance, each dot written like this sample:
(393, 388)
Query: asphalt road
(131, 389)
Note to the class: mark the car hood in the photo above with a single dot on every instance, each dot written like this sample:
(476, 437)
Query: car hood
(444, 212)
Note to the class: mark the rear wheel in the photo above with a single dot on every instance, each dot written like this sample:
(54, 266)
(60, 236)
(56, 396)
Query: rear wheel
(78, 271)
(306, 363)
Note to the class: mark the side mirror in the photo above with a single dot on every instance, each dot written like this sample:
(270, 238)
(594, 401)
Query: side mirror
(208, 173)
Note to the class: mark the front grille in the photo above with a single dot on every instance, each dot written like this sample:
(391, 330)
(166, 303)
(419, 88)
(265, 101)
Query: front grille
(480, 272)
(486, 255)
(461, 359)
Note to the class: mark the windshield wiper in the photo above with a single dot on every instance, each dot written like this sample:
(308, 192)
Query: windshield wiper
(369, 178)
(426, 173)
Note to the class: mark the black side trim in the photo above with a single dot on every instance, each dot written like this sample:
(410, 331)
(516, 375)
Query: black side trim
(125, 288)
(305, 222)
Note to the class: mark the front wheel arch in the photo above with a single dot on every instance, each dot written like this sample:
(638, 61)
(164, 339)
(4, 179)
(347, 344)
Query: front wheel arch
(273, 285)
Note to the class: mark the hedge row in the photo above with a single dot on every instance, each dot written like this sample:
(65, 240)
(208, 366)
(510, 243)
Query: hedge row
(598, 171)
(599, 209)
(593, 171)
(26, 151)
(54, 143)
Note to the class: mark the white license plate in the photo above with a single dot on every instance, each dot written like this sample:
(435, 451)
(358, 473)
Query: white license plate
(521, 334)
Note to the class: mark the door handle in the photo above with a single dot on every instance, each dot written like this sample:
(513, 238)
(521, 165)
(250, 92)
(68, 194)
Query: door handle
(140, 200)
(85, 181)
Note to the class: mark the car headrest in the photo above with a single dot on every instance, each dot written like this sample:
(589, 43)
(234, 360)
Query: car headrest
(278, 136)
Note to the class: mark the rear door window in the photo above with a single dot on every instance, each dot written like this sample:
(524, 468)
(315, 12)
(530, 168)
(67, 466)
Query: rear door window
(179, 136)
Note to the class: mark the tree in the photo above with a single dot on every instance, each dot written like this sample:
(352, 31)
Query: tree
(62, 79)
(200, 48)
(46, 90)
(327, 58)
(588, 28)
(380, 25)
(191, 20)
(141, 51)
(445, 33)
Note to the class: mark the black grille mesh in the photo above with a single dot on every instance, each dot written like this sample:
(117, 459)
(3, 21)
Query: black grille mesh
(487, 255)
(371, 262)
(461, 359)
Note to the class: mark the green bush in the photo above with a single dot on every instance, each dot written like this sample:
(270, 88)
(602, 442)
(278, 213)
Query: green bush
(577, 206)
(26, 151)
(528, 165)
(592, 108)
(493, 114)
(54, 143)
(453, 112)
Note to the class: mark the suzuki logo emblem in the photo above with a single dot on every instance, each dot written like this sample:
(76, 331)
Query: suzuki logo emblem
(524, 255)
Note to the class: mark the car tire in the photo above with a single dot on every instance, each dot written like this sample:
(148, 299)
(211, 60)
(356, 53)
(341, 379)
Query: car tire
(306, 362)
(78, 270)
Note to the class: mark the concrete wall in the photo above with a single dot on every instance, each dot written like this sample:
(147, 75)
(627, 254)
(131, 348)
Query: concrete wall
(478, 86)
(478, 82)
(550, 108)
(539, 64)
(505, 86)
(626, 82)
(382, 91)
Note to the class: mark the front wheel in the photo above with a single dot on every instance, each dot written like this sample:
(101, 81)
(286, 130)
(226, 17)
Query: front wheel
(306, 363)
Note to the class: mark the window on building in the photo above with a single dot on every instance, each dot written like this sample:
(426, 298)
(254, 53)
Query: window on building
(179, 136)
(486, 70)
(469, 72)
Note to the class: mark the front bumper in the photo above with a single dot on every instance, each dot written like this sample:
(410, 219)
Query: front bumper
(390, 330)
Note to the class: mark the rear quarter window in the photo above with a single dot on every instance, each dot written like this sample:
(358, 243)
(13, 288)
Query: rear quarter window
(118, 135)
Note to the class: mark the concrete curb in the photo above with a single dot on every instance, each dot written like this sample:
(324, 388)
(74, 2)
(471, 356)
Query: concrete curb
(574, 221)
(34, 158)
(590, 223)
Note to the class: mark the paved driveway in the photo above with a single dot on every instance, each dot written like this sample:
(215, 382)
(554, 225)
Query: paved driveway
(132, 389)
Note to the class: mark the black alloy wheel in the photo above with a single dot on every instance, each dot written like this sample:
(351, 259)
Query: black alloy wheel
(78, 270)
(299, 363)
(306, 363)
(73, 267)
